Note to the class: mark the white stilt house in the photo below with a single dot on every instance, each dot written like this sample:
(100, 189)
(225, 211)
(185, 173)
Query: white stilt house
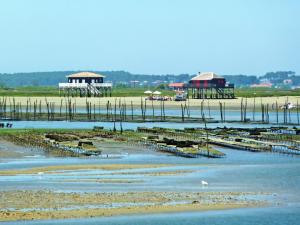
(85, 84)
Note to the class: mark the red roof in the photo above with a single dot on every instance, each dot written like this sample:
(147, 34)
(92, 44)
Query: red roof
(207, 76)
(176, 85)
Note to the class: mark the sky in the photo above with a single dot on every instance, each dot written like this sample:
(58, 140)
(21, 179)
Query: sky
(150, 36)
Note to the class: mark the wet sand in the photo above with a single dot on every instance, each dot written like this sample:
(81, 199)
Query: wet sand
(136, 101)
(61, 168)
(105, 181)
(159, 173)
(9, 150)
(88, 213)
(29, 205)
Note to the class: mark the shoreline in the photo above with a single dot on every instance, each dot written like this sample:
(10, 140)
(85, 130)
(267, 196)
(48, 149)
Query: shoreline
(136, 101)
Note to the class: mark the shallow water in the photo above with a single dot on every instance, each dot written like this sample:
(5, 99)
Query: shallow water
(261, 216)
(242, 171)
(128, 125)
(230, 114)
(238, 171)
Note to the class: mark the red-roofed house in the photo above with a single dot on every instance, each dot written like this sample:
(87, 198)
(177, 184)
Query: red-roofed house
(207, 85)
(266, 84)
(176, 86)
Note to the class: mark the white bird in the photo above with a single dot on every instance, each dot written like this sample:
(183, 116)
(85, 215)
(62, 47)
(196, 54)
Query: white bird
(288, 106)
(40, 173)
(204, 183)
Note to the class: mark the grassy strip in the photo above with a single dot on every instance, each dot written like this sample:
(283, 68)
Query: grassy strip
(265, 92)
(50, 91)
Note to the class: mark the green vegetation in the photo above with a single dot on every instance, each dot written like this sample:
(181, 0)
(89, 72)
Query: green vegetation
(265, 92)
(49, 91)
(30, 91)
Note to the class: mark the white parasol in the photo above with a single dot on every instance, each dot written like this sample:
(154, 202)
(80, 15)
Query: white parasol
(148, 92)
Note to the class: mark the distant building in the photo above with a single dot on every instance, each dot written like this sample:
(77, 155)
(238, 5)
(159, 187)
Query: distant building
(287, 82)
(85, 84)
(157, 82)
(208, 85)
(176, 86)
(134, 83)
(266, 84)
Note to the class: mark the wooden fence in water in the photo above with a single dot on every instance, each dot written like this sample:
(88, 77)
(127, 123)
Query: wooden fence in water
(118, 110)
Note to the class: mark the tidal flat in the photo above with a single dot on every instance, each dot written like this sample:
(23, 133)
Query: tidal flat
(135, 180)
(29, 205)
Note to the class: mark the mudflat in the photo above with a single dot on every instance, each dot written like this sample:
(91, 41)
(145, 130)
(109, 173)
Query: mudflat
(29, 205)
(62, 168)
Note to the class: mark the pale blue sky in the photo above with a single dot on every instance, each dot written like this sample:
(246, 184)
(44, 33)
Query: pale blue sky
(152, 37)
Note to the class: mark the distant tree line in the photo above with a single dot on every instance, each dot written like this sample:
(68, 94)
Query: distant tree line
(53, 78)
(123, 78)
(242, 80)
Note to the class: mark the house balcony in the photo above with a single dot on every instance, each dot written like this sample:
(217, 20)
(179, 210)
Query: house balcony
(106, 85)
(84, 85)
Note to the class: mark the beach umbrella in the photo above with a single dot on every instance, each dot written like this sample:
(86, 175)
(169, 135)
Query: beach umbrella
(156, 92)
(148, 92)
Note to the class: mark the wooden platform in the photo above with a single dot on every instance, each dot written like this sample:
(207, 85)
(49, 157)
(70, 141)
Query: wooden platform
(85, 89)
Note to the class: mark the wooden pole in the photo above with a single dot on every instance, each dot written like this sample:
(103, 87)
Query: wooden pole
(221, 111)
(164, 113)
(152, 110)
(99, 110)
(115, 112)
(298, 113)
(131, 104)
(182, 112)
(224, 110)
(142, 108)
(208, 109)
(245, 110)
(60, 107)
(242, 114)
(253, 114)
(277, 117)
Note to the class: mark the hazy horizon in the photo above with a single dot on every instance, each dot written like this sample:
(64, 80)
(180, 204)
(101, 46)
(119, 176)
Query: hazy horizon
(175, 74)
(150, 37)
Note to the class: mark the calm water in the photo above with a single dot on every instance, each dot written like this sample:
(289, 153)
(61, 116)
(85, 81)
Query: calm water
(109, 125)
(196, 112)
(238, 171)
(266, 216)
